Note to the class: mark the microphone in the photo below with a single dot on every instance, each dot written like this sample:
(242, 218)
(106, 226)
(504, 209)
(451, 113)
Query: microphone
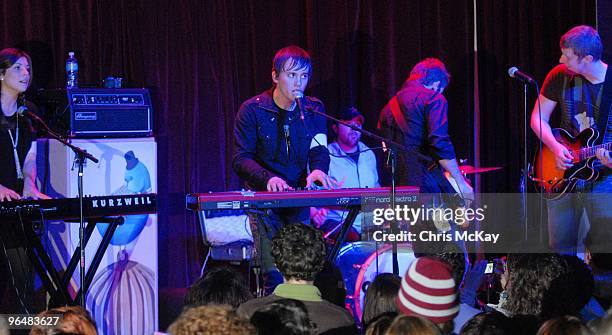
(298, 97)
(516, 74)
(25, 111)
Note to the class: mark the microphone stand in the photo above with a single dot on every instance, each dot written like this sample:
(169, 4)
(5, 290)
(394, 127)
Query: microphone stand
(80, 157)
(393, 147)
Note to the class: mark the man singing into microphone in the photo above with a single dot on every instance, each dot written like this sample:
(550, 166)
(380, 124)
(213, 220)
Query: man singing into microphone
(578, 86)
(278, 138)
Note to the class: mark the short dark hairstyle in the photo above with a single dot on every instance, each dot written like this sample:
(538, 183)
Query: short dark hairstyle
(291, 57)
(380, 296)
(430, 70)
(489, 323)
(219, 286)
(584, 41)
(299, 251)
(284, 316)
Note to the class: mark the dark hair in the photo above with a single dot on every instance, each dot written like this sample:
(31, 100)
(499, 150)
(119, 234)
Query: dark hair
(430, 70)
(289, 58)
(331, 284)
(584, 41)
(414, 325)
(529, 280)
(489, 323)
(380, 296)
(380, 324)
(569, 292)
(220, 286)
(284, 316)
(299, 251)
(563, 325)
(8, 57)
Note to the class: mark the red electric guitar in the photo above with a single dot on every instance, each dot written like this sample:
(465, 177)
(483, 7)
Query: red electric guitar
(554, 182)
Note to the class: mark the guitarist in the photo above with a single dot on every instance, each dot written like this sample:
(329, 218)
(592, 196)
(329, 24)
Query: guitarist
(579, 86)
(417, 116)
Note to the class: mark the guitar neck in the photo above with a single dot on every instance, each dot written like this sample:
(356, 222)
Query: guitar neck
(588, 152)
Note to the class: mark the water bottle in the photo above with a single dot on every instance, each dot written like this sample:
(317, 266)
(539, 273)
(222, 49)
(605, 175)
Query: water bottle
(72, 71)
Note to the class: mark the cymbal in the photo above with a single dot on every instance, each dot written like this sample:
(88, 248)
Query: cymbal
(467, 169)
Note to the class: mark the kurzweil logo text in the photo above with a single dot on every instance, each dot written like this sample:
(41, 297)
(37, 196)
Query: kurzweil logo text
(122, 201)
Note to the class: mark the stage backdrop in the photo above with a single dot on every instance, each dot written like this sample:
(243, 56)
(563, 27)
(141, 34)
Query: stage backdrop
(203, 58)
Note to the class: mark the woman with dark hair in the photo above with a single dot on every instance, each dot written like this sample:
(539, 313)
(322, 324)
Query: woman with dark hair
(284, 316)
(17, 178)
(220, 286)
(380, 297)
(17, 143)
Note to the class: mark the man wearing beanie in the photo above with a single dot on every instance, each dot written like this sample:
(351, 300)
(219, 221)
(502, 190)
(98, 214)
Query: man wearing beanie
(429, 290)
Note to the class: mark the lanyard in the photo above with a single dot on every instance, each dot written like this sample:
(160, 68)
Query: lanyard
(14, 142)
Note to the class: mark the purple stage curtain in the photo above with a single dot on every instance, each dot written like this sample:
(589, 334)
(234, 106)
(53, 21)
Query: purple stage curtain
(202, 58)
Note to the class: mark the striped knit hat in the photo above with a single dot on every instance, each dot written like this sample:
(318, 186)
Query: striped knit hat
(428, 290)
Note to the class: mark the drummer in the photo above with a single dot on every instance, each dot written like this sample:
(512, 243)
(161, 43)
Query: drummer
(352, 165)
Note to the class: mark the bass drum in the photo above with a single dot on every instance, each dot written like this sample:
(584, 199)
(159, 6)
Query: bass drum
(360, 264)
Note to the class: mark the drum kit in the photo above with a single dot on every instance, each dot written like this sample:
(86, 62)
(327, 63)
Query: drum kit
(360, 262)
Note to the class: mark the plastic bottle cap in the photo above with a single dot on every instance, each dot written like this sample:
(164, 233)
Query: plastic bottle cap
(71, 54)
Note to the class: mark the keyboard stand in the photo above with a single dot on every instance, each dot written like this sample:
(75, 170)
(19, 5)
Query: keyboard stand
(346, 226)
(56, 287)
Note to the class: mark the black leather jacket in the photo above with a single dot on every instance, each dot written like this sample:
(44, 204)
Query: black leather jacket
(269, 141)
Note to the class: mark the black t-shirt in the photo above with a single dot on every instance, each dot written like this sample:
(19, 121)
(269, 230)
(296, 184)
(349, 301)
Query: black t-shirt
(8, 172)
(578, 98)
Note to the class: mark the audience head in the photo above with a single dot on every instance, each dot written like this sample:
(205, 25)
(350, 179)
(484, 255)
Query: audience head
(412, 325)
(489, 323)
(380, 296)
(380, 324)
(429, 71)
(211, 319)
(220, 286)
(283, 317)
(529, 280)
(74, 320)
(564, 325)
(428, 290)
(299, 252)
(569, 292)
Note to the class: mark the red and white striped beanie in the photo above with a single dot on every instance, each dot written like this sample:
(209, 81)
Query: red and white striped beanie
(428, 290)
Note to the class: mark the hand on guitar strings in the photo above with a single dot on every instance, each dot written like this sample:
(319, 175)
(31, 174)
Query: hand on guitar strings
(563, 157)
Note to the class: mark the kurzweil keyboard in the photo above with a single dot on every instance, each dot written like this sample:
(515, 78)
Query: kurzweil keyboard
(68, 208)
(306, 198)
